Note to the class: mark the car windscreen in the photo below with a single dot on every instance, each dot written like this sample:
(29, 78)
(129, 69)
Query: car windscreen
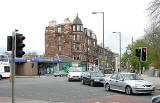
(96, 74)
(75, 70)
(132, 77)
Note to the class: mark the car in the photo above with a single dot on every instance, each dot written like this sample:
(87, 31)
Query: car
(60, 73)
(128, 83)
(108, 72)
(0, 76)
(75, 73)
(156, 99)
(93, 78)
(83, 74)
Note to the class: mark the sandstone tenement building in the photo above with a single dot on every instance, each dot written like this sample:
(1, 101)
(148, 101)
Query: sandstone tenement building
(70, 39)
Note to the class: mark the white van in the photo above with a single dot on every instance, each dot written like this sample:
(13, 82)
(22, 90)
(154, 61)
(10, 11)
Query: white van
(4, 70)
(75, 73)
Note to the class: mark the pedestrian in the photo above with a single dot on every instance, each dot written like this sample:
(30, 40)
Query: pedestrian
(39, 73)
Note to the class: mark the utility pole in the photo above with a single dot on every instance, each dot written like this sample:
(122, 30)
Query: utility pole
(103, 39)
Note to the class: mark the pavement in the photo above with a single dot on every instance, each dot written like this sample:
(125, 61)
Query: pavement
(20, 100)
(110, 99)
(155, 80)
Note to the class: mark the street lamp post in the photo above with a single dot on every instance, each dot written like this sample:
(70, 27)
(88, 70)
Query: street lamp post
(103, 33)
(119, 46)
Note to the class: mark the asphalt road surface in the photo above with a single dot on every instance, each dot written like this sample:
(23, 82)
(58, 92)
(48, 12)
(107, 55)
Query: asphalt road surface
(58, 89)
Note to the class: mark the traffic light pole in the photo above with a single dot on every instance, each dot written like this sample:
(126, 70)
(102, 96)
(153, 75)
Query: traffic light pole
(140, 60)
(13, 63)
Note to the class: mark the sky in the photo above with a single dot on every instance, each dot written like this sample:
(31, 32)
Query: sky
(31, 17)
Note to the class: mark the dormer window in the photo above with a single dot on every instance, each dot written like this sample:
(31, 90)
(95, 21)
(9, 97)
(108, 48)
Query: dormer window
(74, 28)
(81, 28)
(59, 29)
(78, 28)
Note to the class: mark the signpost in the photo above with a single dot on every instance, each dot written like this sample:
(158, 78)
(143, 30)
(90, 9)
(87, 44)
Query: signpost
(129, 53)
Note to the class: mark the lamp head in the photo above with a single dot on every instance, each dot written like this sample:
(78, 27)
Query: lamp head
(94, 12)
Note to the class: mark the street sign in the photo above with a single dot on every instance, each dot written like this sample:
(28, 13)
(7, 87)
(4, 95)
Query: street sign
(129, 52)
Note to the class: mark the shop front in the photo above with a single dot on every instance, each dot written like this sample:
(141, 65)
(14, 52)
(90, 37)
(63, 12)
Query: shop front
(83, 65)
(47, 66)
(65, 66)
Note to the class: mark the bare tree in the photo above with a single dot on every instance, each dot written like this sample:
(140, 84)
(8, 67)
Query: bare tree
(154, 10)
(152, 37)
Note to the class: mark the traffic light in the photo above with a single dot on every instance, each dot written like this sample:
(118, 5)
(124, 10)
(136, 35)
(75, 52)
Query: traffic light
(19, 45)
(144, 54)
(138, 52)
(9, 43)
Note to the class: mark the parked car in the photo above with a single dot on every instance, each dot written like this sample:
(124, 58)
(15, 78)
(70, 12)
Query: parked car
(156, 99)
(83, 74)
(128, 83)
(60, 73)
(0, 76)
(93, 78)
(108, 72)
(75, 73)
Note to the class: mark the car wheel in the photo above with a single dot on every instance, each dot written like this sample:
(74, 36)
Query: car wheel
(54, 76)
(83, 82)
(107, 87)
(128, 90)
(92, 83)
(69, 80)
(0, 77)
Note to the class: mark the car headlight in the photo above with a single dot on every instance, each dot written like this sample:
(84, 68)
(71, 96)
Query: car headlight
(96, 80)
(139, 85)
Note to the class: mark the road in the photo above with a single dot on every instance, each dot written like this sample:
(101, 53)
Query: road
(58, 89)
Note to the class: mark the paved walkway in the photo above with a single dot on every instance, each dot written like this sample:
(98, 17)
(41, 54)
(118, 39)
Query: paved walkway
(155, 80)
(114, 99)
(20, 100)
(110, 99)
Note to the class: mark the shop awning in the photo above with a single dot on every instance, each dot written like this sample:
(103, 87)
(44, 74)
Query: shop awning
(45, 60)
(16, 59)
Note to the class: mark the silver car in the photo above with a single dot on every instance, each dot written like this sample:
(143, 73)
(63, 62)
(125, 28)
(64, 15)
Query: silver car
(128, 83)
